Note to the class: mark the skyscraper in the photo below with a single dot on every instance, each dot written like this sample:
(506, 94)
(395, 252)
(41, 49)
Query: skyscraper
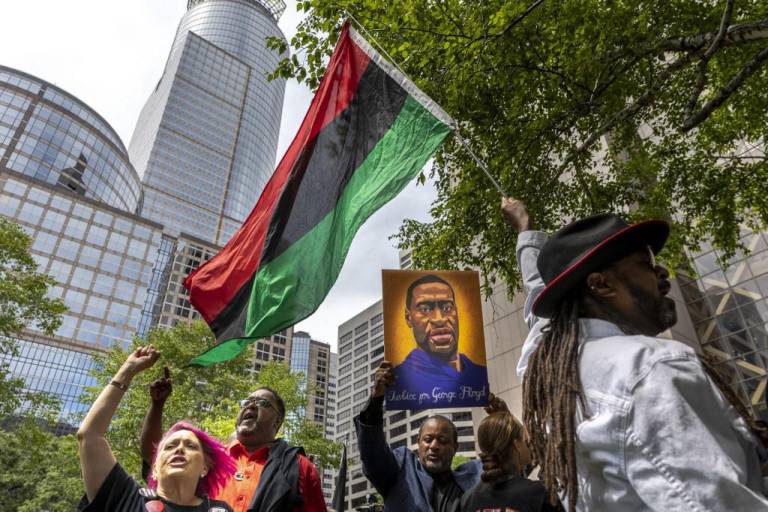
(120, 229)
(311, 357)
(66, 179)
(330, 427)
(205, 142)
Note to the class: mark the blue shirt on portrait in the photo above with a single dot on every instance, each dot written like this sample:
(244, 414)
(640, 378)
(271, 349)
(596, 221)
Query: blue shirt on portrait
(423, 381)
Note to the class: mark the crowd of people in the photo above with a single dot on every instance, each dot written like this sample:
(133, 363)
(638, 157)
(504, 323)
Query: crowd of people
(614, 416)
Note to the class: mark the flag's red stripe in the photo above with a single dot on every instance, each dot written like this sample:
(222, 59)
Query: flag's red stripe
(215, 283)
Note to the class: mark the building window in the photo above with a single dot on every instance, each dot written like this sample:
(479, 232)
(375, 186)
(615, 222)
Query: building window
(416, 424)
(397, 431)
(399, 444)
(466, 446)
(462, 416)
(465, 431)
(398, 416)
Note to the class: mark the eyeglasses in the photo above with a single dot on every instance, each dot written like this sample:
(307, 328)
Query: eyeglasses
(262, 403)
(652, 257)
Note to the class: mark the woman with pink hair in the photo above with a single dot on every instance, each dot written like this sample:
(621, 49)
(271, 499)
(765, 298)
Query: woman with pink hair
(189, 465)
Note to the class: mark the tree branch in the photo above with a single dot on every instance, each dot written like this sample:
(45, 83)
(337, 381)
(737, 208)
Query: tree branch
(628, 111)
(520, 18)
(701, 75)
(548, 71)
(425, 31)
(724, 22)
(735, 35)
(757, 61)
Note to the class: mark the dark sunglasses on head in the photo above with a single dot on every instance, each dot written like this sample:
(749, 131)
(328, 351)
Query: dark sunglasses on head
(258, 402)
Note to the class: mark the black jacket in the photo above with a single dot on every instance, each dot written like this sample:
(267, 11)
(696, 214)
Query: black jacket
(278, 489)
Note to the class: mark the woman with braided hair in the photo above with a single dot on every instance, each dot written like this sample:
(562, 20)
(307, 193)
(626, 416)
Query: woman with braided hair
(620, 418)
(505, 456)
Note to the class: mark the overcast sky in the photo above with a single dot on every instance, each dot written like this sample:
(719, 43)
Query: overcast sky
(111, 53)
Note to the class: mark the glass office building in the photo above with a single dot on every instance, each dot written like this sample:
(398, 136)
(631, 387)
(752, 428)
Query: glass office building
(66, 179)
(727, 304)
(206, 139)
(50, 136)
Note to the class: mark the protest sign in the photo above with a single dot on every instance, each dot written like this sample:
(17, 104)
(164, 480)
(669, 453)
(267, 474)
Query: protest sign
(433, 336)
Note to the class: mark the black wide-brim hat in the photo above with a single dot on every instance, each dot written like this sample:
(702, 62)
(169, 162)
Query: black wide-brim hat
(586, 246)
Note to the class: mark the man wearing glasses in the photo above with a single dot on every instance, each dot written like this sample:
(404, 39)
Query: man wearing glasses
(435, 370)
(271, 474)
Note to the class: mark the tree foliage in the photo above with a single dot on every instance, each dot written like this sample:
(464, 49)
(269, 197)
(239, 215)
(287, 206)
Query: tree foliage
(23, 299)
(38, 471)
(23, 303)
(208, 397)
(654, 108)
(297, 428)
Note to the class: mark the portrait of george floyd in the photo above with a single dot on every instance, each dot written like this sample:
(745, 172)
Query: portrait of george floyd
(433, 336)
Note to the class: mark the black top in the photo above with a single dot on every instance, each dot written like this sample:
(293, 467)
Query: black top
(515, 494)
(446, 493)
(121, 493)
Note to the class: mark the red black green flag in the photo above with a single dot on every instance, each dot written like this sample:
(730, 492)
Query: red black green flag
(368, 132)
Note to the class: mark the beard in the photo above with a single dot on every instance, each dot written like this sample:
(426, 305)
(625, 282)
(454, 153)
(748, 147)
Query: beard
(656, 313)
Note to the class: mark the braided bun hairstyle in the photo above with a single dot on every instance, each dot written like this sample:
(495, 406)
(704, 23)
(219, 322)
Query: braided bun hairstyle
(497, 435)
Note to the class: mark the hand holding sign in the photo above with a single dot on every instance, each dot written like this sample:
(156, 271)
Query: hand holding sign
(383, 379)
(433, 341)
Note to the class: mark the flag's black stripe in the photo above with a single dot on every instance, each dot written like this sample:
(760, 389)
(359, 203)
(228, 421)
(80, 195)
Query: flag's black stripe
(318, 178)
(326, 164)
(230, 323)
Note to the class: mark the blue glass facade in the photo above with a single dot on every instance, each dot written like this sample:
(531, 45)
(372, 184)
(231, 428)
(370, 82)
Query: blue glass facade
(54, 370)
(65, 178)
(300, 352)
(729, 310)
(51, 136)
(206, 139)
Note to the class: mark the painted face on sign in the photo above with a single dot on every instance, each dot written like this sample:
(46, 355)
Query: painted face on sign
(434, 319)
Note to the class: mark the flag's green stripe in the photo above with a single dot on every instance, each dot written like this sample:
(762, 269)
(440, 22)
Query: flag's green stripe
(292, 286)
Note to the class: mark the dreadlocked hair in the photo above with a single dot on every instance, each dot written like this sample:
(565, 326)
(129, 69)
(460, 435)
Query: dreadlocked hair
(550, 389)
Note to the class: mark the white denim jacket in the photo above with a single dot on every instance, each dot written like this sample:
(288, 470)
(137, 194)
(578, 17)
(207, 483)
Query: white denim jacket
(656, 433)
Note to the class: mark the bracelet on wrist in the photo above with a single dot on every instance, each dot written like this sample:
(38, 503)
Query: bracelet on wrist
(120, 385)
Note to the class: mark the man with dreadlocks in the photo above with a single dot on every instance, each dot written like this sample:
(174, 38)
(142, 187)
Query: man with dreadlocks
(619, 418)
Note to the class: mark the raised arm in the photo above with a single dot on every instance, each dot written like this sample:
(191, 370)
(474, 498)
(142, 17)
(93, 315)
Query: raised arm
(152, 429)
(529, 243)
(379, 463)
(96, 459)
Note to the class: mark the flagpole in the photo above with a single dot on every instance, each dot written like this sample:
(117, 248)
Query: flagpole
(455, 126)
